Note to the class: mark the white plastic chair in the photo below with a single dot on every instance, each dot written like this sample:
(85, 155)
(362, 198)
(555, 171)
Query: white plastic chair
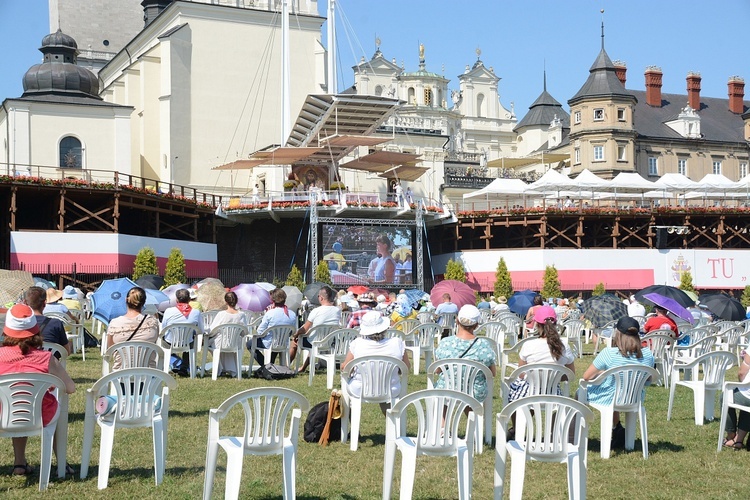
(268, 412)
(439, 413)
(548, 423)
(58, 350)
(574, 332)
(447, 321)
(426, 317)
(141, 398)
(421, 341)
(460, 374)
(727, 401)
(630, 381)
(407, 325)
(683, 355)
(376, 374)
(207, 317)
(495, 331)
(182, 335)
(229, 338)
(729, 339)
(606, 339)
(133, 354)
(713, 366)
(73, 330)
(345, 315)
(315, 332)
(661, 347)
(332, 349)
(393, 333)
(543, 378)
(21, 397)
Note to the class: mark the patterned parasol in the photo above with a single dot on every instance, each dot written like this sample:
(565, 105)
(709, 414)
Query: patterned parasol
(602, 309)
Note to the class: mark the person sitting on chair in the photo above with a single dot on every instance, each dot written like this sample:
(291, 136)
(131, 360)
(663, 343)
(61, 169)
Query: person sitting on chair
(325, 314)
(278, 314)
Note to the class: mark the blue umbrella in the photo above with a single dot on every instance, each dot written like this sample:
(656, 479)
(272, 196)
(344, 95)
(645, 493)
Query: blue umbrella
(520, 302)
(108, 300)
(157, 298)
(414, 296)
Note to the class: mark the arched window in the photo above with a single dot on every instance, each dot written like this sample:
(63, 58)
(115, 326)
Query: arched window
(378, 90)
(428, 96)
(411, 96)
(480, 106)
(71, 153)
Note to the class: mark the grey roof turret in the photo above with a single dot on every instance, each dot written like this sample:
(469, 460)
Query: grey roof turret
(544, 110)
(59, 74)
(602, 81)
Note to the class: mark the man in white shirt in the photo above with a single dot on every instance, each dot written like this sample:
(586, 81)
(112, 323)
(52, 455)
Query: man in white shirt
(635, 308)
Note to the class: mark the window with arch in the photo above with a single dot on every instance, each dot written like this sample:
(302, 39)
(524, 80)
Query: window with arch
(378, 90)
(428, 96)
(411, 96)
(71, 153)
(480, 106)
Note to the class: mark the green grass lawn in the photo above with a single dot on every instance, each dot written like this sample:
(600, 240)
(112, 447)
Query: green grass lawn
(683, 462)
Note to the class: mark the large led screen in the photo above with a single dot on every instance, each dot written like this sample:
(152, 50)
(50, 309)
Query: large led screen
(366, 254)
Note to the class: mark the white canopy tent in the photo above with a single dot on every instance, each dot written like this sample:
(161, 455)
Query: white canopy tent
(713, 186)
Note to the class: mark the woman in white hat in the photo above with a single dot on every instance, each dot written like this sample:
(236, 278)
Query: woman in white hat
(372, 342)
(21, 353)
(464, 344)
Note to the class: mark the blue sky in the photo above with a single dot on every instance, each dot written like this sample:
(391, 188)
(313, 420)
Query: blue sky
(515, 37)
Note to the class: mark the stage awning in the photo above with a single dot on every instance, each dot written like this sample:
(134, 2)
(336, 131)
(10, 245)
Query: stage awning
(273, 156)
(404, 173)
(527, 161)
(382, 161)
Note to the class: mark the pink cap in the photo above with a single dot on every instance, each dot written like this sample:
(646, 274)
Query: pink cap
(543, 313)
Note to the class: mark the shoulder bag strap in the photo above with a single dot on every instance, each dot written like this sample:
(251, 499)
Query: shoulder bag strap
(136, 328)
(469, 348)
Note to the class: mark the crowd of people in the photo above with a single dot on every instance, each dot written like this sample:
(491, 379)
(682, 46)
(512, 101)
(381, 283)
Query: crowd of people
(372, 314)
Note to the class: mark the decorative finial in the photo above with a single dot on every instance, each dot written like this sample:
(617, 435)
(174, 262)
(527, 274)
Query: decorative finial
(443, 68)
(602, 11)
(479, 52)
(377, 42)
(421, 51)
(545, 74)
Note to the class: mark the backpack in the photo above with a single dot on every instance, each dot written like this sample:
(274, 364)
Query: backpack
(274, 372)
(316, 421)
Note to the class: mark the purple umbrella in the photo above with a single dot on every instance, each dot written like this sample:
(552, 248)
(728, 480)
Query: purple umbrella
(670, 305)
(251, 297)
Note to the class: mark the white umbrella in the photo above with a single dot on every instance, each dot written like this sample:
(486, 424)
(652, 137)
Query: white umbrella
(266, 285)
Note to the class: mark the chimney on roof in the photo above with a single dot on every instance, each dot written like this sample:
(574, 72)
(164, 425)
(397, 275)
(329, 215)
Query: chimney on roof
(653, 86)
(621, 70)
(694, 90)
(736, 89)
(152, 8)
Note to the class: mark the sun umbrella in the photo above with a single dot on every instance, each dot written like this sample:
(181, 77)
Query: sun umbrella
(157, 298)
(724, 306)
(311, 292)
(602, 309)
(252, 297)
(206, 281)
(520, 302)
(670, 305)
(13, 284)
(293, 297)
(211, 296)
(667, 291)
(43, 283)
(150, 281)
(108, 301)
(358, 289)
(171, 290)
(460, 293)
(265, 285)
(415, 296)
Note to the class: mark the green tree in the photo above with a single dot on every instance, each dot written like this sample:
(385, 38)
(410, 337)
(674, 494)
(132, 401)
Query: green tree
(686, 282)
(551, 287)
(145, 263)
(746, 296)
(175, 270)
(503, 283)
(295, 278)
(322, 274)
(454, 270)
(599, 290)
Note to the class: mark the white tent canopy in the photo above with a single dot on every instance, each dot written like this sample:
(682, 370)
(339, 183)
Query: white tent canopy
(552, 180)
(589, 180)
(713, 186)
(502, 188)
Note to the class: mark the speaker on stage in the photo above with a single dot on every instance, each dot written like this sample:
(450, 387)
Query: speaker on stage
(661, 237)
